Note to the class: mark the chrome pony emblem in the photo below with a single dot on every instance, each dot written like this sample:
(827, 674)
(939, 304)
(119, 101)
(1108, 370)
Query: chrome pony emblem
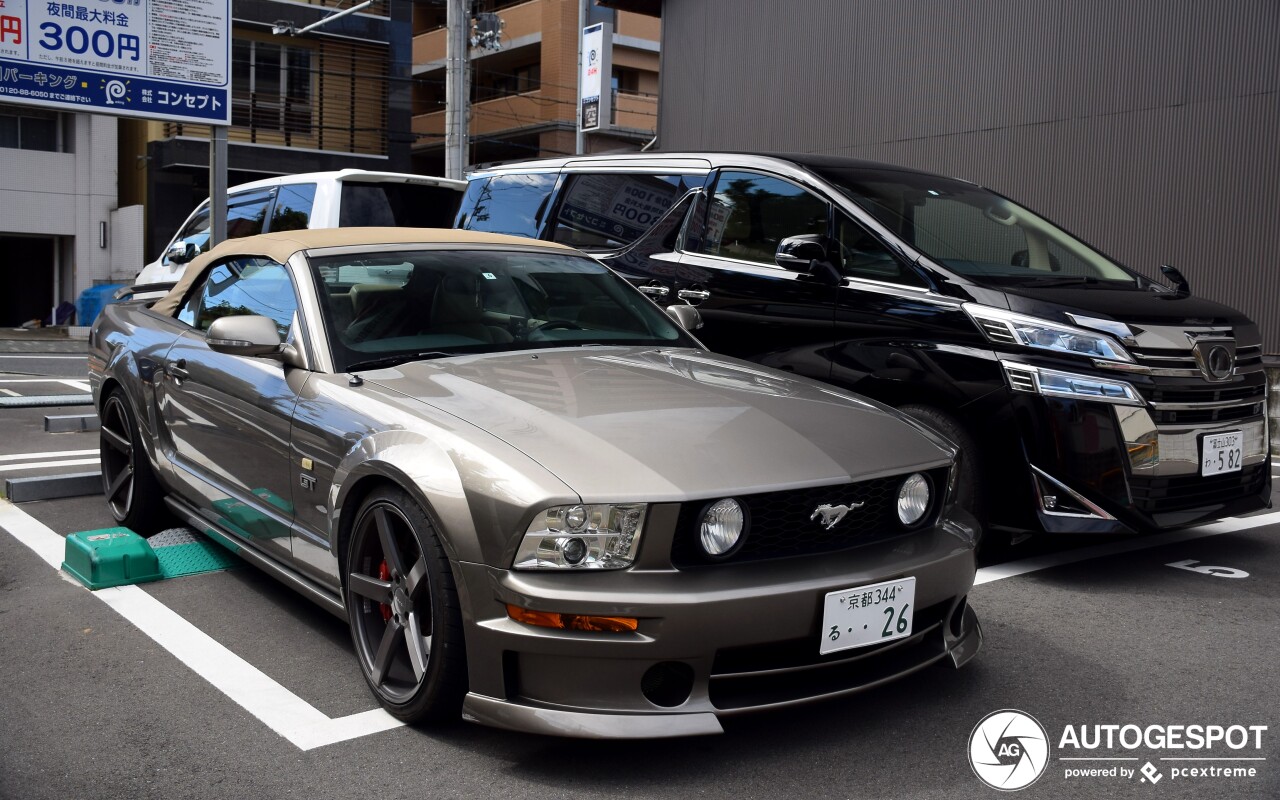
(829, 516)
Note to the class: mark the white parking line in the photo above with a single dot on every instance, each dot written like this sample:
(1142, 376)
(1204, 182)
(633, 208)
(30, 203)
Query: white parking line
(75, 462)
(36, 380)
(1013, 568)
(49, 454)
(10, 393)
(43, 355)
(305, 726)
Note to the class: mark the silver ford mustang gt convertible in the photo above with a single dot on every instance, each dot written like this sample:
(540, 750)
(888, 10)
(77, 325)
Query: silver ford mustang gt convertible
(537, 500)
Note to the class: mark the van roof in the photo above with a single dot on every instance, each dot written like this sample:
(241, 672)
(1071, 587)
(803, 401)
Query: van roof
(363, 175)
(708, 159)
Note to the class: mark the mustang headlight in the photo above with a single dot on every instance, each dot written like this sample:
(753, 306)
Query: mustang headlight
(601, 536)
(1005, 327)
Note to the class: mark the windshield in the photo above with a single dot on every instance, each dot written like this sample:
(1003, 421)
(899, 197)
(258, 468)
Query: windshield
(977, 233)
(386, 307)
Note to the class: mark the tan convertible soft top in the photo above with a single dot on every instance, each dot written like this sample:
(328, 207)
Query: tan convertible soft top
(279, 247)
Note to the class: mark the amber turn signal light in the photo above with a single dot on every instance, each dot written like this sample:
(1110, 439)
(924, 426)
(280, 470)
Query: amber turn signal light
(571, 622)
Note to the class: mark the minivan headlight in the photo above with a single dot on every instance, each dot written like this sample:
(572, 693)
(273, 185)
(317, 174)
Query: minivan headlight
(582, 536)
(1005, 327)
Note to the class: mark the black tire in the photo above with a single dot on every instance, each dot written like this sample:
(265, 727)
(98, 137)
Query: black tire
(400, 590)
(133, 492)
(970, 484)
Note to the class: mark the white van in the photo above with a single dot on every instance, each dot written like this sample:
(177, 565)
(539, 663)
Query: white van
(346, 198)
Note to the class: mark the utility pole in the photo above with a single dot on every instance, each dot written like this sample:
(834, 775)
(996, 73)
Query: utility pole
(457, 88)
(580, 137)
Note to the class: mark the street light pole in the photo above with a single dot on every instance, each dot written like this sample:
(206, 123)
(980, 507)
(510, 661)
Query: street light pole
(457, 90)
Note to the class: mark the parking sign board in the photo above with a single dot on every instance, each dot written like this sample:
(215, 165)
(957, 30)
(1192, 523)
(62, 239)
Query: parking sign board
(159, 59)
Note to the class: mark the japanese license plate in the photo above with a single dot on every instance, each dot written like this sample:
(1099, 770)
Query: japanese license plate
(867, 615)
(1221, 452)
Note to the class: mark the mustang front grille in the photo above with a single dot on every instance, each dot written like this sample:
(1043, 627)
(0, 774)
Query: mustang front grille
(785, 524)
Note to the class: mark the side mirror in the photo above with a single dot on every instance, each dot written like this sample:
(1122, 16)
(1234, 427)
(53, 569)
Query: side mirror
(686, 316)
(795, 252)
(245, 335)
(809, 253)
(1180, 285)
(182, 252)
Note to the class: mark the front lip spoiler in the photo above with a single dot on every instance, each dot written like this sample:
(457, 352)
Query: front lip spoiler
(556, 722)
(517, 716)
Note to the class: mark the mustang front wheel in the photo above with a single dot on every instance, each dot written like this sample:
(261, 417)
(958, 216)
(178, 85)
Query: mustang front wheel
(403, 610)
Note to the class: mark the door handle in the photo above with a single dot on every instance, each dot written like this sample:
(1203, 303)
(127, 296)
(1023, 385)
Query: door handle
(177, 370)
(655, 291)
(693, 294)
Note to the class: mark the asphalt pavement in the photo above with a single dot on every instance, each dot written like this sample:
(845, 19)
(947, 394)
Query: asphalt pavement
(227, 685)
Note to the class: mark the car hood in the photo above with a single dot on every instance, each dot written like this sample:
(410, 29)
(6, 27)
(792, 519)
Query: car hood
(1126, 305)
(621, 424)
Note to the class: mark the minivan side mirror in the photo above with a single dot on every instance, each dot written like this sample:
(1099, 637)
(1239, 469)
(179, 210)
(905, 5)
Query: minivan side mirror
(182, 252)
(1180, 285)
(244, 335)
(809, 253)
(795, 252)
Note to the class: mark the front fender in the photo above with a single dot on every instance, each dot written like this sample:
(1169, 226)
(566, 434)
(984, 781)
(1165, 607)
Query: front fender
(479, 501)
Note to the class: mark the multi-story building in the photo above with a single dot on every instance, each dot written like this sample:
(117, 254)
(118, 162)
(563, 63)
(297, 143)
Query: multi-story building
(60, 232)
(333, 98)
(524, 94)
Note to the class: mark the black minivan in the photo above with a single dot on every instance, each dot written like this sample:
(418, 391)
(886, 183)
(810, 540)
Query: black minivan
(1085, 397)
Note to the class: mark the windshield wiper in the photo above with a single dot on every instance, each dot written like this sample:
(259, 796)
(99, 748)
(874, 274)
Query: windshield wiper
(400, 358)
(1064, 280)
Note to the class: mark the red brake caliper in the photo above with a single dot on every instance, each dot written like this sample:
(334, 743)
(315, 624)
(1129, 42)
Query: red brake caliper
(384, 573)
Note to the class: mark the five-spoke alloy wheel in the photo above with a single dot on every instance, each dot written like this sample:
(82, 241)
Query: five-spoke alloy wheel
(133, 493)
(403, 610)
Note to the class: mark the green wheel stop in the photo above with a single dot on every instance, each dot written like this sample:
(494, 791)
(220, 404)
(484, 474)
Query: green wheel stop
(118, 556)
(110, 557)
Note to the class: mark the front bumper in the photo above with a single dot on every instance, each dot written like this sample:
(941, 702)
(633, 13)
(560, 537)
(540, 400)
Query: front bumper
(746, 635)
(1105, 468)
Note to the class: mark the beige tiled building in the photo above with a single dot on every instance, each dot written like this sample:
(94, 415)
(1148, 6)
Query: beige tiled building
(524, 95)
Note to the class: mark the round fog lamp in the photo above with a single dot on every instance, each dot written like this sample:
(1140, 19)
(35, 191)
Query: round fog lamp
(722, 525)
(913, 499)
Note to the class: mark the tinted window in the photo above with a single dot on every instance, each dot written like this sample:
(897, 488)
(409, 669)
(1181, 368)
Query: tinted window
(245, 286)
(974, 231)
(610, 211)
(196, 231)
(397, 205)
(293, 207)
(245, 214)
(512, 204)
(862, 255)
(751, 213)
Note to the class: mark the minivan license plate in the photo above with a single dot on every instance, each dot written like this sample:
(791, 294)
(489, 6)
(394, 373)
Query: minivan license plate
(1221, 452)
(867, 615)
